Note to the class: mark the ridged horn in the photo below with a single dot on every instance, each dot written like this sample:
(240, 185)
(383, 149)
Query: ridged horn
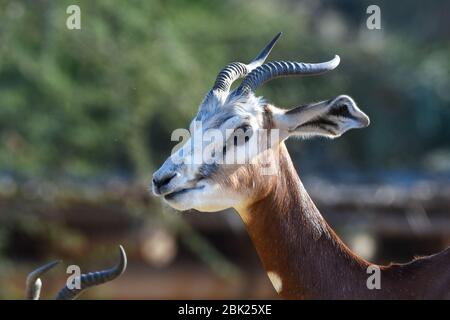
(92, 279)
(34, 283)
(236, 70)
(275, 69)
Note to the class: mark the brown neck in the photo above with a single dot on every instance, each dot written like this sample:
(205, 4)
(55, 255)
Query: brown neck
(303, 256)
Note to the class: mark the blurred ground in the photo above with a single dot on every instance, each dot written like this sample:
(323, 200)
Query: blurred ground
(195, 255)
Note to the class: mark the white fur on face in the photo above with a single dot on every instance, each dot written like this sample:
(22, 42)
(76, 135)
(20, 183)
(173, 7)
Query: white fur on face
(208, 194)
(211, 198)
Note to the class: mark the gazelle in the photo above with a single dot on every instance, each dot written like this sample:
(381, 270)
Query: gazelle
(302, 255)
(86, 281)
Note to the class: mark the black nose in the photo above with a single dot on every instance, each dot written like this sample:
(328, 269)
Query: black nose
(163, 180)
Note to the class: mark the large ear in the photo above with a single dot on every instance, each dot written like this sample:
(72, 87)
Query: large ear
(327, 118)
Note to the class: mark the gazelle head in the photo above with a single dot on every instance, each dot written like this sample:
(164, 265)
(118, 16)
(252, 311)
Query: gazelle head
(230, 157)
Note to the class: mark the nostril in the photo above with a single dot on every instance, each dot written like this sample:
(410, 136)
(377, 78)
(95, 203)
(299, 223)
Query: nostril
(163, 180)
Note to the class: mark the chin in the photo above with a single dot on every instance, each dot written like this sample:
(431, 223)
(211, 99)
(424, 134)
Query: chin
(179, 204)
(199, 200)
(184, 203)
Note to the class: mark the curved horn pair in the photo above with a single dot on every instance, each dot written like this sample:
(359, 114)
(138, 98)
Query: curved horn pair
(34, 284)
(256, 73)
(235, 70)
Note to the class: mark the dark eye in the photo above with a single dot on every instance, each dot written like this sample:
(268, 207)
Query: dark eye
(242, 130)
(245, 128)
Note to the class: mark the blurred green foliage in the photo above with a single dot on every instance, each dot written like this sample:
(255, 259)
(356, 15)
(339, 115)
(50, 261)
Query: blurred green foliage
(104, 99)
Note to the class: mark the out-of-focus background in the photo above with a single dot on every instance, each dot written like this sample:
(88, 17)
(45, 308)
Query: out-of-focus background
(86, 116)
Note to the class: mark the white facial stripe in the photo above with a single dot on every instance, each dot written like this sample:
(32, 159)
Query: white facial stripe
(276, 281)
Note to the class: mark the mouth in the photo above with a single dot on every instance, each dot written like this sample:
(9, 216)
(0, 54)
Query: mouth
(175, 193)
